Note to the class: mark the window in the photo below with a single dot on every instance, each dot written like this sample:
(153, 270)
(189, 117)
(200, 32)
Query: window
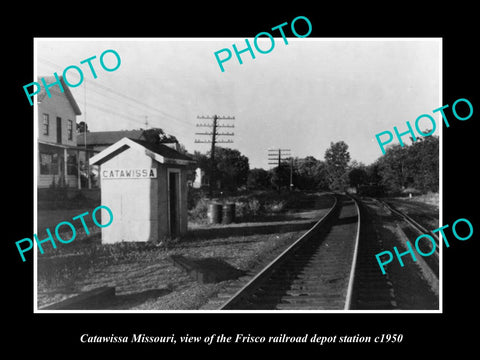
(59, 130)
(72, 164)
(45, 163)
(48, 164)
(46, 124)
(70, 130)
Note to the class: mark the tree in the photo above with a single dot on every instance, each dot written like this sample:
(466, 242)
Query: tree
(157, 136)
(373, 185)
(337, 158)
(280, 176)
(413, 166)
(394, 169)
(373, 175)
(82, 126)
(231, 168)
(321, 176)
(202, 160)
(310, 174)
(258, 179)
(357, 176)
(424, 163)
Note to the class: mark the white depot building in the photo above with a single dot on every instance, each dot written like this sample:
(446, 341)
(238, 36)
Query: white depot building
(145, 186)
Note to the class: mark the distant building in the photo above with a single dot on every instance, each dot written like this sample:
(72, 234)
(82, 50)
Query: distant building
(58, 153)
(99, 140)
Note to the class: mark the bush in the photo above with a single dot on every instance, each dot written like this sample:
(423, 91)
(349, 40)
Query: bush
(275, 206)
(193, 196)
(253, 205)
(199, 212)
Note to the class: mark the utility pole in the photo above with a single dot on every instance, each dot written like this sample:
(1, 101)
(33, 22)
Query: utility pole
(291, 174)
(277, 156)
(214, 125)
(87, 158)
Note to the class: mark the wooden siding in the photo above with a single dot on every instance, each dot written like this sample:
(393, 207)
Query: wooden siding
(45, 181)
(57, 106)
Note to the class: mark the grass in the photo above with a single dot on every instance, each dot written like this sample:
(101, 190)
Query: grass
(252, 206)
(422, 208)
(134, 268)
(431, 198)
(144, 276)
(50, 219)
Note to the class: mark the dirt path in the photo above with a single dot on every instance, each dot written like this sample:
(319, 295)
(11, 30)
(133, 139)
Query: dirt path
(146, 279)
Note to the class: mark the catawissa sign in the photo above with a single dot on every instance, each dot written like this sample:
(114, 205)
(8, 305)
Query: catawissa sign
(129, 173)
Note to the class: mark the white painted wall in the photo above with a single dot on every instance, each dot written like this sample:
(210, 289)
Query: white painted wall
(140, 206)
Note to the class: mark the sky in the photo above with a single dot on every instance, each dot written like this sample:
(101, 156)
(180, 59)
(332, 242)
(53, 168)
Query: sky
(301, 96)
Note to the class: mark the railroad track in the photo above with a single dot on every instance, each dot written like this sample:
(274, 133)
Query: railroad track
(372, 290)
(315, 273)
(416, 230)
(409, 287)
(419, 228)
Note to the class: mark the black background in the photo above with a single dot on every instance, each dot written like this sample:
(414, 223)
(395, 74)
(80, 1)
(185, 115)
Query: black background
(58, 334)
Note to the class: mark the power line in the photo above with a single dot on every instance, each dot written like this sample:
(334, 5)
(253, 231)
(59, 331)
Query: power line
(279, 156)
(111, 91)
(214, 125)
(139, 103)
(108, 109)
(128, 118)
(275, 156)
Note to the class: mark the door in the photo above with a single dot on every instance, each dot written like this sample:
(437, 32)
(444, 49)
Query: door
(173, 202)
(59, 130)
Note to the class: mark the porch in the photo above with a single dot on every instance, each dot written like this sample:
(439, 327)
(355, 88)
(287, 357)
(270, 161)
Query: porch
(62, 166)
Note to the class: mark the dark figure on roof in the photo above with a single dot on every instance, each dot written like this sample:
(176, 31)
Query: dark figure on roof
(157, 136)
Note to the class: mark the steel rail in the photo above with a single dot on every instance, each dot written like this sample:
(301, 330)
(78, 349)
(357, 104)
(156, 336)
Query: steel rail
(412, 222)
(253, 284)
(348, 298)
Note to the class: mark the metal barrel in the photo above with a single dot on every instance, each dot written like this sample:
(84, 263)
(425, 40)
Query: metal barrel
(214, 213)
(228, 213)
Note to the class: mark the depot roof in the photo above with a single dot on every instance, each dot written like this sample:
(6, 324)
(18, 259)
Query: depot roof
(159, 152)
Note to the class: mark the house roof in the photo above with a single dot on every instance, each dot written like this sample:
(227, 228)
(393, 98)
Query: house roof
(100, 138)
(51, 79)
(159, 152)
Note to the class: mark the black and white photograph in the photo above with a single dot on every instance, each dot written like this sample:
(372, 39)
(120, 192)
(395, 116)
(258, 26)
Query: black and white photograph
(288, 182)
(229, 181)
